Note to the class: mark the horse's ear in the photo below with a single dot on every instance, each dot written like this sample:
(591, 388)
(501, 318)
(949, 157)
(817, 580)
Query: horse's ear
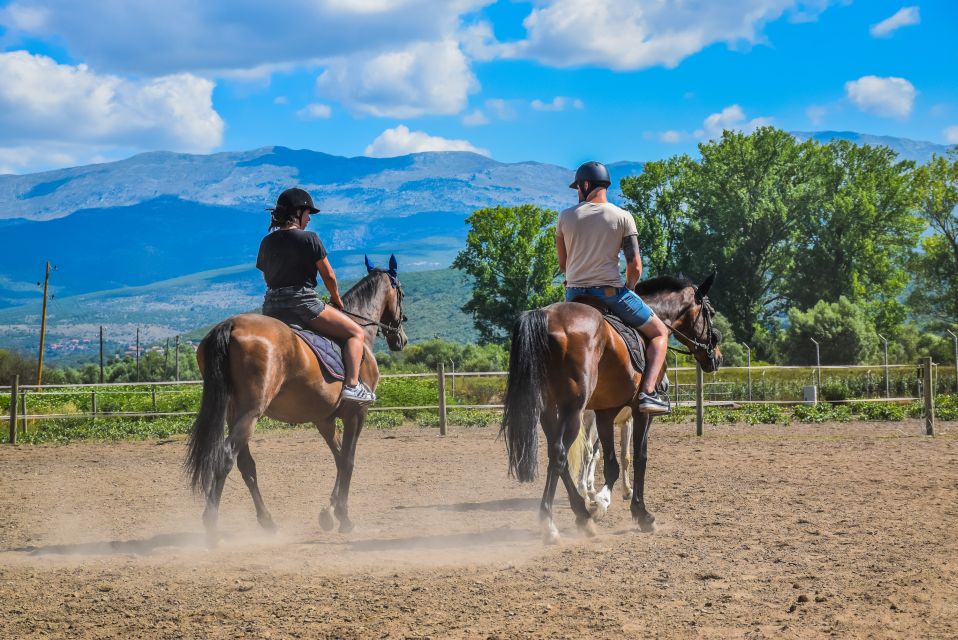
(703, 289)
(393, 265)
(369, 265)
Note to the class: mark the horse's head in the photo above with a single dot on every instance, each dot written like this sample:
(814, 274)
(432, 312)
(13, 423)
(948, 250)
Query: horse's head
(392, 316)
(694, 326)
(686, 309)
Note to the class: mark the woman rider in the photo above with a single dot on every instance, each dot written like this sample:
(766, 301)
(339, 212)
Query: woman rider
(290, 257)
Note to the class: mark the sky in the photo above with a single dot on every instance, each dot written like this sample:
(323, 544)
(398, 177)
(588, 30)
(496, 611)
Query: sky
(558, 81)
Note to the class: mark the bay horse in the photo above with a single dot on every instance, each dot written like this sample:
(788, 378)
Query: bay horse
(254, 365)
(566, 358)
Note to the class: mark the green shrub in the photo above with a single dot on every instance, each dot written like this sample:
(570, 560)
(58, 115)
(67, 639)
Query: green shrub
(821, 412)
(765, 414)
(946, 407)
(474, 418)
(384, 419)
(882, 411)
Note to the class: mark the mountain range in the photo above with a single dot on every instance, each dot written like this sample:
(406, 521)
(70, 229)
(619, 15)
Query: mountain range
(166, 241)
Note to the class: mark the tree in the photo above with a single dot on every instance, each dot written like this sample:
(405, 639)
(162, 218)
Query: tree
(510, 255)
(658, 200)
(859, 232)
(846, 333)
(936, 267)
(747, 196)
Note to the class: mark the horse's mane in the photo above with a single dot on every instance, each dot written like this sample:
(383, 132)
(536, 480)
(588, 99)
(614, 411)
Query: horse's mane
(361, 293)
(663, 283)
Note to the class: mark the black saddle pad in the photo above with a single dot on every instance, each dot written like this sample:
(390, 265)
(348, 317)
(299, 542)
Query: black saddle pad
(328, 352)
(632, 338)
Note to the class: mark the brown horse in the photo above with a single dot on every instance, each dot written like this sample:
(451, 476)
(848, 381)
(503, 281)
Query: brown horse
(254, 365)
(566, 358)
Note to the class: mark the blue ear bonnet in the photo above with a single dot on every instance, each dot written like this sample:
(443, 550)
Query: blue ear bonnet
(392, 271)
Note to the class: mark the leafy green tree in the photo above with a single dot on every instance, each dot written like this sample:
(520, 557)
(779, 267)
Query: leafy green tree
(747, 198)
(658, 200)
(846, 334)
(510, 255)
(935, 295)
(859, 232)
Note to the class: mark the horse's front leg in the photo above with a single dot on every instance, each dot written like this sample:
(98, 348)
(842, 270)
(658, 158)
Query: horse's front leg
(641, 515)
(353, 422)
(327, 429)
(604, 424)
(623, 422)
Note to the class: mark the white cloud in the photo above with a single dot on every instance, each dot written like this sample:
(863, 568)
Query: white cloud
(149, 38)
(501, 109)
(904, 17)
(426, 78)
(889, 97)
(315, 111)
(280, 100)
(951, 134)
(731, 117)
(559, 103)
(672, 136)
(400, 141)
(475, 118)
(816, 114)
(628, 35)
(43, 102)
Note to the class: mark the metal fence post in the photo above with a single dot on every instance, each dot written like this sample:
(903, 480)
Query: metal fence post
(818, 364)
(14, 392)
(885, 349)
(928, 391)
(93, 398)
(699, 402)
(442, 399)
(678, 388)
(23, 410)
(955, 338)
(748, 351)
(153, 394)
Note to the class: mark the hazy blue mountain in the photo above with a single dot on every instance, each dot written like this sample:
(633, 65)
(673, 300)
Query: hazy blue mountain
(916, 150)
(153, 240)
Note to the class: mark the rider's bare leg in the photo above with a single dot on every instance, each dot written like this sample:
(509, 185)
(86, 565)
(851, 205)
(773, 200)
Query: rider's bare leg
(657, 345)
(334, 323)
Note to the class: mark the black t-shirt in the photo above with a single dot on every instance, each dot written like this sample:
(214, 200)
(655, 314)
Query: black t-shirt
(288, 257)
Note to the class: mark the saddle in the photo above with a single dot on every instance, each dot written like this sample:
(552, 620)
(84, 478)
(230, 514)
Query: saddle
(328, 352)
(630, 335)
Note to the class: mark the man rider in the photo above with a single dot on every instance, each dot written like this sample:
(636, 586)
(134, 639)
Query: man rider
(589, 237)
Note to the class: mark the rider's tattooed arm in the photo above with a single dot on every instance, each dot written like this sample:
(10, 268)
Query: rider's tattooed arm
(633, 261)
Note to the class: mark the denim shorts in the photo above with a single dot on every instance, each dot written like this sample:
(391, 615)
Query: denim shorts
(293, 305)
(623, 302)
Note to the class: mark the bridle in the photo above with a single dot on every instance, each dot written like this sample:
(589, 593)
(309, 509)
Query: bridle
(708, 347)
(388, 329)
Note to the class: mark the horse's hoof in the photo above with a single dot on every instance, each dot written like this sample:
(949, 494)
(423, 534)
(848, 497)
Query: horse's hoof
(646, 522)
(268, 525)
(550, 534)
(326, 521)
(345, 526)
(587, 528)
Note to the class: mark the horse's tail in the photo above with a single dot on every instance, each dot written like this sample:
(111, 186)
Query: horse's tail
(525, 393)
(207, 453)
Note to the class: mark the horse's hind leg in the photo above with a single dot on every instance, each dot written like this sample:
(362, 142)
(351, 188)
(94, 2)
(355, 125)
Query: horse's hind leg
(641, 515)
(610, 470)
(561, 430)
(247, 467)
(328, 430)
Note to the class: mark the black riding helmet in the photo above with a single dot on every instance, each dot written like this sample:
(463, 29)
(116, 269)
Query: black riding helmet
(294, 199)
(592, 172)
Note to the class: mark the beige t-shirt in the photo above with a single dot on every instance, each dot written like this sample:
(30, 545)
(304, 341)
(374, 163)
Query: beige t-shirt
(593, 233)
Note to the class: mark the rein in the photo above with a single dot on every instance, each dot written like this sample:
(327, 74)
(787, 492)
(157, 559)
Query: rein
(387, 329)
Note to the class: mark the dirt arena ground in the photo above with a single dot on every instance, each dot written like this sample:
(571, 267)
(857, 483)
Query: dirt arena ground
(802, 531)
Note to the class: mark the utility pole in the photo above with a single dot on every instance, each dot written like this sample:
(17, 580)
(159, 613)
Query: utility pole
(176, 358)
(43, 324)
(137, 354)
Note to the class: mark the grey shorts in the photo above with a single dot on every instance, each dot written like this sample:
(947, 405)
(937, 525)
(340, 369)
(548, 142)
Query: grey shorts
(293, 305)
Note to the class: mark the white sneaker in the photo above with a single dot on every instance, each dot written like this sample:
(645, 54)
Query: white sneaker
(360, 394)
